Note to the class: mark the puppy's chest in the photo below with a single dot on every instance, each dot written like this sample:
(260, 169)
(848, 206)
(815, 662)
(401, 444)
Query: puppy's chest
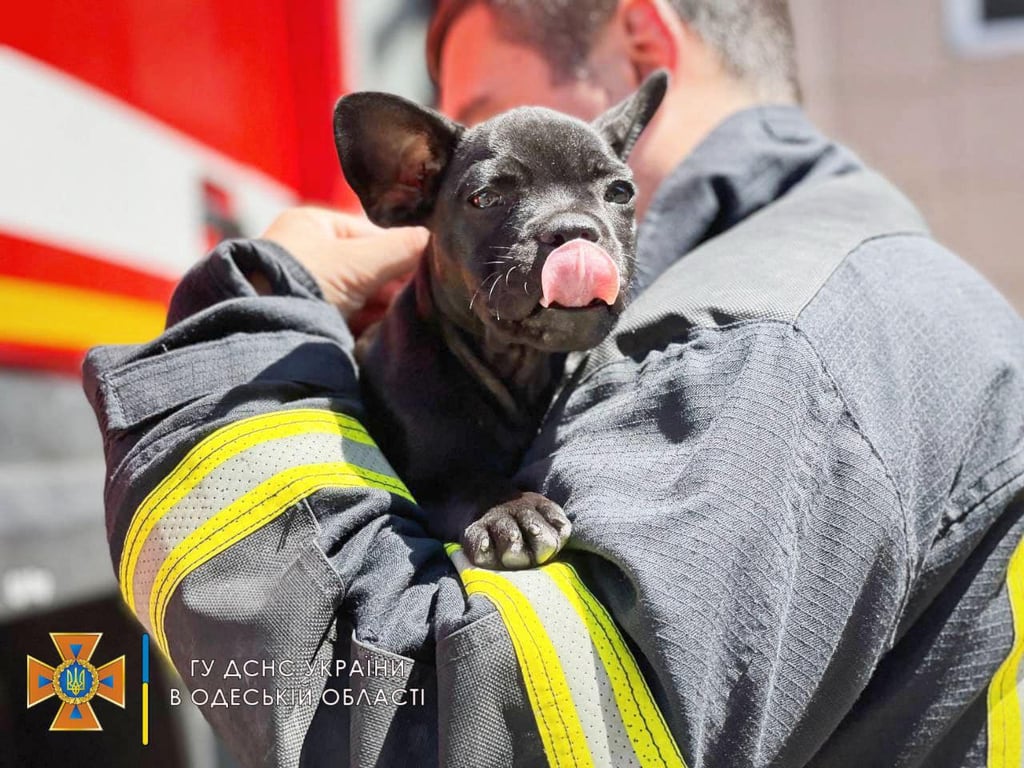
(437, 409)
(527, 375)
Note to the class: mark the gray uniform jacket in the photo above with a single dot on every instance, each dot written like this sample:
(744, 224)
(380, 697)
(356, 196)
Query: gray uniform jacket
(794, 471)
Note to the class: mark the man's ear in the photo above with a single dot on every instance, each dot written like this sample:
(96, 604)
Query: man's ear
(393, 154)
(622, 125)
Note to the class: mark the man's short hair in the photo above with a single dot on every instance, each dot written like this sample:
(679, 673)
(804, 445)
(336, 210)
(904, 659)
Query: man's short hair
(754, 38)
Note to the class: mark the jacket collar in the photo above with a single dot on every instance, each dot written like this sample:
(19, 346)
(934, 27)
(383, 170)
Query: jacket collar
(752, 158)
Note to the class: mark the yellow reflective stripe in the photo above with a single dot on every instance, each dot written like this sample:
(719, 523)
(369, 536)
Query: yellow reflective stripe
(546, 686)
(1004, 710)
(649, 734)
(248, 514)
(210, 453)
(650, 740)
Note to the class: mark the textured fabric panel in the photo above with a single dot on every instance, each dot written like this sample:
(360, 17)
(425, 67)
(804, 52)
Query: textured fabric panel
(477, 664)
(926, 705)
(951, 351)
(750, 543)
(145, 416)
(386, 733)
(949, 426)
(180, 411)
(151, 386)
(223, 276)
(373, 543)
(927, 359)
(245, 605)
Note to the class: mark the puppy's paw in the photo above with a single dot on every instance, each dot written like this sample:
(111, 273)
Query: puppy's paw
(524, 531)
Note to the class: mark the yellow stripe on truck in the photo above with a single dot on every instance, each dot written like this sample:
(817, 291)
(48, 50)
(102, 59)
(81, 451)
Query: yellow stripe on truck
(49, 315)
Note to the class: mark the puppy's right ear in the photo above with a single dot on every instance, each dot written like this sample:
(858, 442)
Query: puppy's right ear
(393, 153)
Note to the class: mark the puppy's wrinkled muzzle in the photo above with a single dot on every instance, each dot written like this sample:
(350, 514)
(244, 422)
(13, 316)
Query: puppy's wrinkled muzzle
(577, 274)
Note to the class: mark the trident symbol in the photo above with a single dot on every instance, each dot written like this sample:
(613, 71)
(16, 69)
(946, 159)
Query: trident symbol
(75, 679)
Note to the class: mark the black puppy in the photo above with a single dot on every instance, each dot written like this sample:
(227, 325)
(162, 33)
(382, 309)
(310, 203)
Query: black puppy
(533, 234)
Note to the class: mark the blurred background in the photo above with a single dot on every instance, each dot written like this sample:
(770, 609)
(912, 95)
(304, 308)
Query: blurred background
(136, 134)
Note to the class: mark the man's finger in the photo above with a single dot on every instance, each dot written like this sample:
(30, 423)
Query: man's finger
(349, 225)
(386, 256)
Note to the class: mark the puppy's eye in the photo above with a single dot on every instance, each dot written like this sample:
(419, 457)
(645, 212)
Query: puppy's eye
(619, 192)
(485, 198)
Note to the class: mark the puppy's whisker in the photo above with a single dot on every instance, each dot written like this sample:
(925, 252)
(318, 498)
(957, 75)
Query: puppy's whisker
(483, 285)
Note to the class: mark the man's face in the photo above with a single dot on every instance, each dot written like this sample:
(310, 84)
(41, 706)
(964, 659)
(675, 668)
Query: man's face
(483, 74)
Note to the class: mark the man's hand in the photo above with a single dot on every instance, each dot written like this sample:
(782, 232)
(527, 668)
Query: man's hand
(358, 266)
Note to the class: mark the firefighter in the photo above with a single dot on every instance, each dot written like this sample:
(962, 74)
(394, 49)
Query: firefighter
(795, 470)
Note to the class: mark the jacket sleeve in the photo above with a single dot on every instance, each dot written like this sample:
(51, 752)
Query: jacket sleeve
(752, 544)
(247, 508)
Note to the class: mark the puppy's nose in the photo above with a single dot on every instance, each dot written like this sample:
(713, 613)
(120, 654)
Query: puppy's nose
(560, 232)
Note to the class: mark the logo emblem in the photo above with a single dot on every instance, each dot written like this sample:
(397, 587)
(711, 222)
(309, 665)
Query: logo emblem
(76, 681)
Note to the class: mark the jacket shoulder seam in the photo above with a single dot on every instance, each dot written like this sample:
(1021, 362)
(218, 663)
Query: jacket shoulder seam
(849, 254)
(890, 476)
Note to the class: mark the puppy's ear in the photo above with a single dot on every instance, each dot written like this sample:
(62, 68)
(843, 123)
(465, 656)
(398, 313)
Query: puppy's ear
(622, 125)
(393, 154)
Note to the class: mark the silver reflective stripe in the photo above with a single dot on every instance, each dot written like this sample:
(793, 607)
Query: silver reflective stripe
(590, 702)
(588, 681)
(232, 480)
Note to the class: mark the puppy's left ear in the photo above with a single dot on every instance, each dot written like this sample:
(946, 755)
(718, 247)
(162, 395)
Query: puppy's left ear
(393, 153)
(622, 125)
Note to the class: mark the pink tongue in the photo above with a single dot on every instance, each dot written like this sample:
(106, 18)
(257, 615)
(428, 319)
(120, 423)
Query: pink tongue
(578, 272)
